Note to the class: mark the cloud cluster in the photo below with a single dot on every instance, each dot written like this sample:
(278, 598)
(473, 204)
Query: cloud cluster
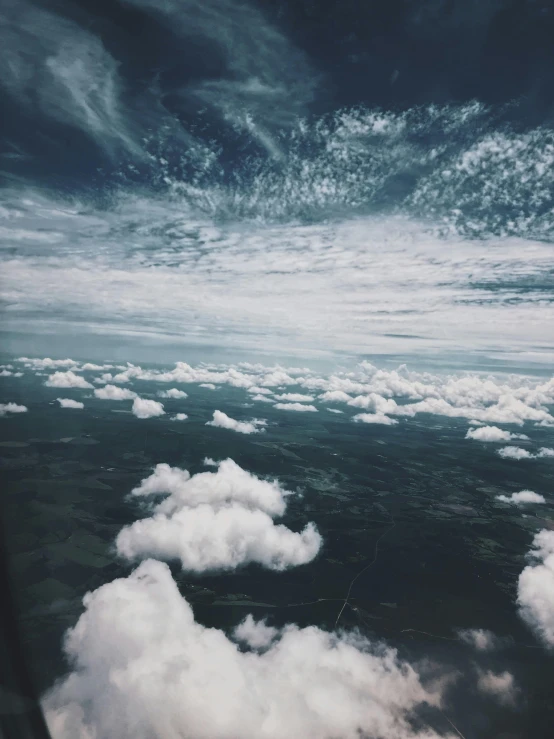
(46, 363)
(216, 520)
(223, 421)
(300, 407)
(70, 403)
(375, 418)
(521, 498)
(6, 408)
(493, 433)
(143, 408)
(517, 452)
(295, 398)
(535, 591)
(173, 393)
(143, 667)
(113, 392)
(67, 380)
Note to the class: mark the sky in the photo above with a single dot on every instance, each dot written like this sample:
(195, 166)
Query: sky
(279, 178)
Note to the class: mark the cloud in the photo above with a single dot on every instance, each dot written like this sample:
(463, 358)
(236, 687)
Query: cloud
(143, 408)
(295, 407)
(535, 591)
(179, 417)
(499, 685)
(216, 520)
(334, 410)
(54, 67)
(47, 363)
(91, 367)
(255, 634)
(525, 496)
(480, 639)
(375, 418)
(295, 397)
(492, 433)
(144, 667)
(335, 396)
(67, 380)
(173, 393)
(208, 385)
(514, 452)
(70, 403)
(263, 399)
(6, 408)
(223, 421)
(6, 373)
(209, 462)
(113, 392)
(255, 390)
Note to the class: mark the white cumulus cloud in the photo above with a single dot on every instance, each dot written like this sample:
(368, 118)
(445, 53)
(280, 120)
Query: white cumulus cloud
(70, 403)
(514, 452)
(223, 421)
(524, 496)
(113, 392)
(492, 433)
(143, 408)
(67, 380)
(295, 397)
(173, 393)
(216, 520)
(6, 408)
(179, 417)
(295, 407)
(375, 418)
(535, 591)
(143, 667)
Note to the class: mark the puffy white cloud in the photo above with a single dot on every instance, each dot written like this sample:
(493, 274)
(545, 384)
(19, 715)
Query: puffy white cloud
(223, 421)
(179, 417)
(499, 685)
(47, 363)
(209, 462)
(492, 433)
(536, 588)
(144, 667)
(230, 484)
(295, 407)
(524, 496)
(335, 396)
(113, 392)
(173, 393)
(216, 520)
(70, 403)
(6, 373)
(255, 390)
(255, 634)
(514, 452)
(143, 408)
(295, 397)
(375, 418)
(480, 639)
(262, 399)
(91, 367)
(6, 408)
(208, 385)
(67, 380)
